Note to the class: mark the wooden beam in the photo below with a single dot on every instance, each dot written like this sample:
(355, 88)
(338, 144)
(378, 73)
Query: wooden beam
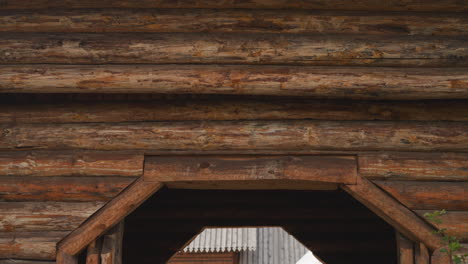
(329, 82)
(421, 254)
(111, 252)
(109, 215)
(25, 261)
(232, 21)
(29, 245)
(439, 257)
(401, 218)
(93, 252)
(405, 249)
(269, 49)
(455, 223)
(390, 5)
(64, 258)
(241, 136)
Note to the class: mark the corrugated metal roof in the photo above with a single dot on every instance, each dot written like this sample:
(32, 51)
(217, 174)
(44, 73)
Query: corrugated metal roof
(224, 240)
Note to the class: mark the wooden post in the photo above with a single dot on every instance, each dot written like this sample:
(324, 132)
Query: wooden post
(111, 252)
(405, 249)
(93, 252)
(421, 255)
(65, 258)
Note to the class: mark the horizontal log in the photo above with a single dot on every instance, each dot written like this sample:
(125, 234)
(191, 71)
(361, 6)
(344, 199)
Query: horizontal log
(188, 110)
(428, 195)
(24, 261)
(44, 216)
(46, 163)
(231, 20)
(181, 48)
(414, 166)
(456, 223)
(392, 5)
(327, 169)
(254, 185)
(29, 245)
(241, 136)
(339, 82)
(78, 189)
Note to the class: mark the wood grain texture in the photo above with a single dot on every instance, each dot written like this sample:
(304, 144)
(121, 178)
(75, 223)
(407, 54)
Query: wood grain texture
(229, 109)
(189, 48)
(232, 20)
(46, 163)
(78, 189)
(93, 252)
(29, 245)
(64, 258)
(339, 82)
(391, 5)
(326, 169)
(439, 257)
(414, 166)
(421, 254)
(456, 223)
(44, 216)
(428, 195)
(405, 249)
(241, 136)
(111, 252)
(25, 261)
(401, 218)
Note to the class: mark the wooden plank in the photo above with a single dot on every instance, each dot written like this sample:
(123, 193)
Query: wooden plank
(25, 261)
(414, 166)
(70, 189)
(44, 216)
(421, 255)
(109, 215)
(428, 195)
(233, 48)
(29, 245)
(456, 223)
(112, 245)
(233, 21)
(241, 136)
(404, 220)
(405, 249)
(64, 258)
(47, 163)
(229, 109)
(391, 5)
(327, 169)
(328, 82)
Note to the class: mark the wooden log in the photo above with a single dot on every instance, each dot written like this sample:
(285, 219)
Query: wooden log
(183, 48)
(234, 21)
(439, 257)
(254, 185)
(428, 195)
(228, 109)
(44, 216)
(276, 136)
(112, 245)
(46, 163)
(64, 258)
(25, 261)
(405, 249)
(331, 82)
(70, 189)
(93, 252)
(327, 169)
(455, 223)
(29, 245)
(404, 220)
(421, 254)
(391, 5)
(414, 166)
(109, 215)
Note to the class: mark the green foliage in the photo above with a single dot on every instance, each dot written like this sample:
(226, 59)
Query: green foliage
(453, 243)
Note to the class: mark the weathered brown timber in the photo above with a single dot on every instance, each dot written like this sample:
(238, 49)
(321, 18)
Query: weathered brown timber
(112, 245)
(254, 185)
(414, 166)
(393, 5)
(64, 258)
(421, 254)
(439, 257)
(109, 215)
(47, 163)
(180, 48)
(241, 136)
(331, 82)
(24, 261)
(29, 245)
(93, 252)
(329, 169)
(455, 223)
(44, 216)
(405, 249)
(189, 110)
(236, 21)
(80, 189)
(404, 220)
(428, 195)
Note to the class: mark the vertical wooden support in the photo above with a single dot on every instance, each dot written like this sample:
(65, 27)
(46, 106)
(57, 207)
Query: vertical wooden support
(421, 254)
(405, 249)
(111, 252)
(93, 252)
(64, 258)
(439, 257)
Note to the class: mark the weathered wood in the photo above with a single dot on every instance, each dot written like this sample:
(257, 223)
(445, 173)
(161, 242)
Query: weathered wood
(236, 21)
(24, 261)
(46, 163)
(414, 166)
(428, 195)
(254, 185)
(233, 49)
(109, 215)
(392, 5)
(332, 82)
(455, 223)
(44, 216)
(439, 257)
(405, 249)
(327, 169)
(241, 136)
(421, 254)
(404, 220)
(93, 252)
(61, 188)
(112, 245)
(64, 258)
(29, 245)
